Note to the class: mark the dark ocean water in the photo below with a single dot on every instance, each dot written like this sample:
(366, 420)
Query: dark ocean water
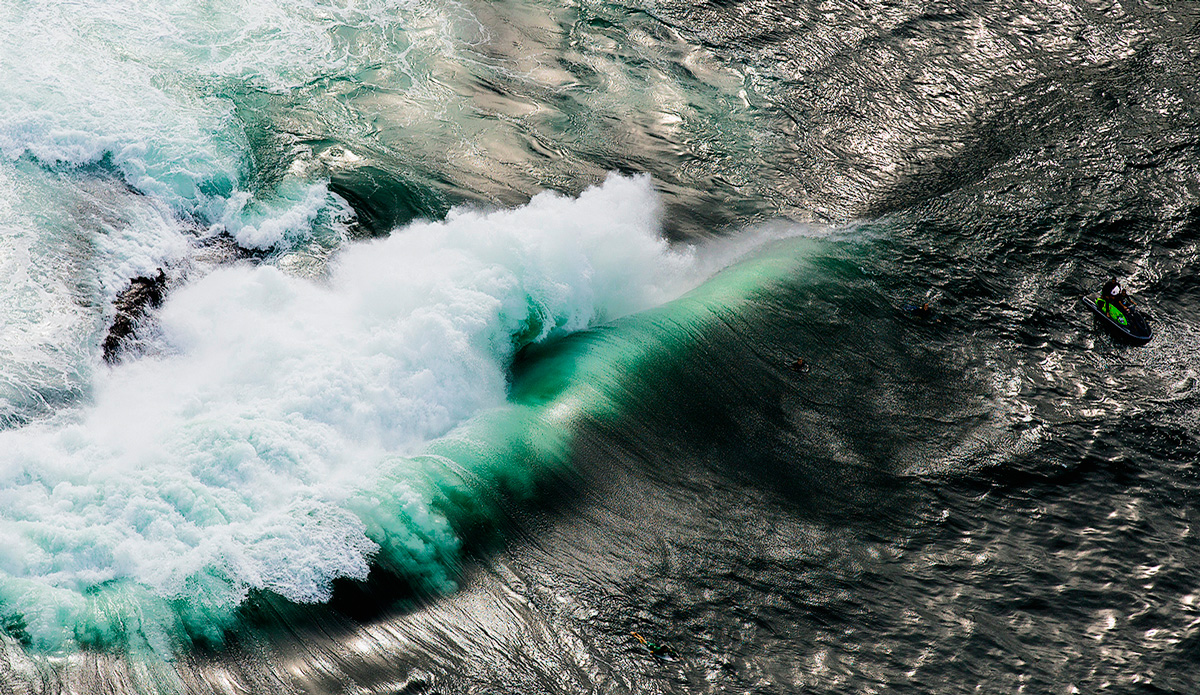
(538, 449)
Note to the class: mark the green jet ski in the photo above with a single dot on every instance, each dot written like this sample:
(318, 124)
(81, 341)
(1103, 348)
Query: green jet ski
(1121, 318)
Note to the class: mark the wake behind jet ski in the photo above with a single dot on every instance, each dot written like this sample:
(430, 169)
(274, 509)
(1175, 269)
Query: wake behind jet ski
(1118, 313)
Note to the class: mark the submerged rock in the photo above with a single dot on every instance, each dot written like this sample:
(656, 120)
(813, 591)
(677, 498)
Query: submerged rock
(143, 294)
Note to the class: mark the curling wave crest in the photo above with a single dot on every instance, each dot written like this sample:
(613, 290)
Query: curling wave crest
(231, 463)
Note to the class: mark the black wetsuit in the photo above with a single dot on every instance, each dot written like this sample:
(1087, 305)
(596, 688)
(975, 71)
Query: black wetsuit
(1116, 302)
(1112, 291)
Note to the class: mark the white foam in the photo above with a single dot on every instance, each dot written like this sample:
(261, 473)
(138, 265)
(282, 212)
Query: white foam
(233, 457)
(287, 219)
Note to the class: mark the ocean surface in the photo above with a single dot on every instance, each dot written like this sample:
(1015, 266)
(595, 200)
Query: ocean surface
(444, 346)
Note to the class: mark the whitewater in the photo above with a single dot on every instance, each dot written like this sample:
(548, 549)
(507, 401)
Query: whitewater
(225, 460)
(470, 369)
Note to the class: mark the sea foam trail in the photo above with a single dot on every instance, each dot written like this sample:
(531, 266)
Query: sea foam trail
(237, 461)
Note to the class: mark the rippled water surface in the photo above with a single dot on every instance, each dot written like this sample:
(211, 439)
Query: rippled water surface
(469, 367)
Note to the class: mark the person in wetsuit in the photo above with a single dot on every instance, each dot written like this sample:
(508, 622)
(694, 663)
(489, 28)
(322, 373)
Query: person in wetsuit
(1112, 291)
(1116, 301)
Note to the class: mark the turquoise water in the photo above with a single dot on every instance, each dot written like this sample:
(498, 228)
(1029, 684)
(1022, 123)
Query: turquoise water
(473, 354)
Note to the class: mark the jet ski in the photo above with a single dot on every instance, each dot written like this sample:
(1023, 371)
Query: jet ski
(1121, 318)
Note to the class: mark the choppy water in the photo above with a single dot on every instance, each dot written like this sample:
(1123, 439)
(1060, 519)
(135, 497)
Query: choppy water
(472, 371)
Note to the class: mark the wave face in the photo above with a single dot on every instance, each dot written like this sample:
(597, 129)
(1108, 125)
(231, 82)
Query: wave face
(448, 346)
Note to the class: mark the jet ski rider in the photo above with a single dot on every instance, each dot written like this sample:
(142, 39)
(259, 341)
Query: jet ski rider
(1115, 301)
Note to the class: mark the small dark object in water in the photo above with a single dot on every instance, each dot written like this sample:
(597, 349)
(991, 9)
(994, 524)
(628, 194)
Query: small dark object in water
(922, 312)
(143, 294)
(799, 366)
(662, 651)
